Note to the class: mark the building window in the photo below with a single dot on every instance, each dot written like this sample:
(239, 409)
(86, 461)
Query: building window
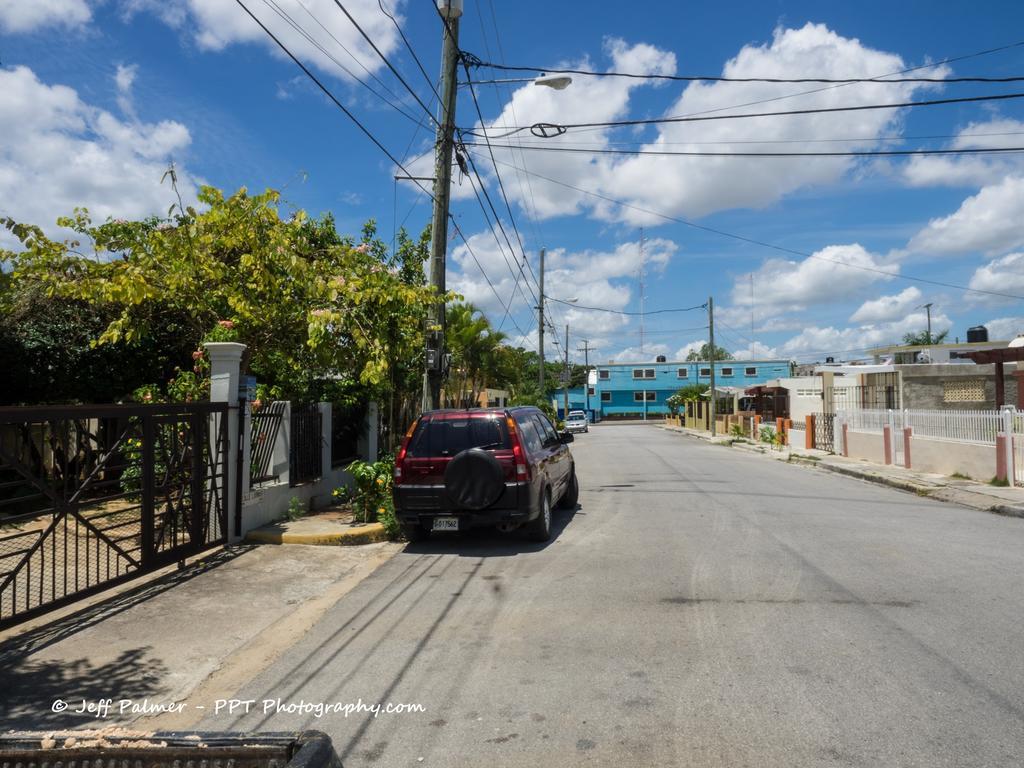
(705, 371)
(603, 374)
(727, 371)
(682, 373)
(638, 373)
(648, 373)
(638, 397)
(750, 371)
(590, 390)
(808, 393)
(963, 391)
(606, 397)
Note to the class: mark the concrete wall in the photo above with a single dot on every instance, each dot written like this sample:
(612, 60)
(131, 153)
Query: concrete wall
(943, 457)
(923, 385)
(865, 445)
(268, 503)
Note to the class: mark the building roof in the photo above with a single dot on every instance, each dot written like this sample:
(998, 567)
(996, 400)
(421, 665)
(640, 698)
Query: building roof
(779, 361)
(921, 347)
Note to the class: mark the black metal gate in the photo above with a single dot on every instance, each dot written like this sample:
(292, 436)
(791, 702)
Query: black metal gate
(98, 494)
(306, 450)
(825, 432)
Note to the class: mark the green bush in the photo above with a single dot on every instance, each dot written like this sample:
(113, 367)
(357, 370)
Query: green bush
(371, 499)
(767, 435)
(296, 508)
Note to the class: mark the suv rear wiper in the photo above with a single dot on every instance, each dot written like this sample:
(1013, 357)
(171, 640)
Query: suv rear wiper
(491, 446)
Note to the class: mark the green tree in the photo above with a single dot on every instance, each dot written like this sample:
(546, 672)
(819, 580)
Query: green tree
(705, 354)
(312, 306)
(924, 338)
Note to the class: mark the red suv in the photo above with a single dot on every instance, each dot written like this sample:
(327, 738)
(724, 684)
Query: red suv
(461, 469)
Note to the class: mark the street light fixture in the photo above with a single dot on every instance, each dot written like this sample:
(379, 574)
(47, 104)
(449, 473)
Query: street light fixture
(556, 82)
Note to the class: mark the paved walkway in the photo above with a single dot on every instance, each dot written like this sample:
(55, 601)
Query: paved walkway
(981, 496)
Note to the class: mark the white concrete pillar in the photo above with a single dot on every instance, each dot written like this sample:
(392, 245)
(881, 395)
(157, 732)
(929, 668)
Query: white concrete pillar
(372, 418)
(225, 371)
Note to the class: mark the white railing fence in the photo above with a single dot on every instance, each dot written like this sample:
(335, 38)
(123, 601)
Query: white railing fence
(956, 426)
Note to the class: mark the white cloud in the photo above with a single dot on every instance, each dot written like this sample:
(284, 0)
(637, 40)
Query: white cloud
(686, 349)
(755, 351)
(700, 186)
(988, 222)
(1003, 275)
(124, 79)
(972, 170)
(851, 343)
(1003, 328)
(887, 307)
(822, 278)
(634, 355)
(217, 24)
(602, 279)
(29, 15)
(58, 152)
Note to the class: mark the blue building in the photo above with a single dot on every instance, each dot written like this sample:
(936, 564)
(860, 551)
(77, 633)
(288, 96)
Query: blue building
(633, 389)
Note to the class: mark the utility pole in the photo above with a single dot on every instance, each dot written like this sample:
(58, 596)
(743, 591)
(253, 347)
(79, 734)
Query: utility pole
(565, 379)
(711, 342)
(540, 322)
(586, 368)
(928, 309)
(451, 10)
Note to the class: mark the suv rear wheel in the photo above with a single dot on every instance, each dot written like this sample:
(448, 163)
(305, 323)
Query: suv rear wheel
(540, 529)
(414, 532)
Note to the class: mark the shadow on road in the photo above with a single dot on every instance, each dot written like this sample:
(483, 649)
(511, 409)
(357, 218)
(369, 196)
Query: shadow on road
(16, 649)
(31, 688)
(489, 542)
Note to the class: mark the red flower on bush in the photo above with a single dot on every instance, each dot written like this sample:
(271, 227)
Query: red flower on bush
(229, 324)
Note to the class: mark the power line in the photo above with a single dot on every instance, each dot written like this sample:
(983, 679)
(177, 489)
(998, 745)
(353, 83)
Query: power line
(538, 143)
(316, 44)
(411, 50)
(385, 59)
(763, 244)
(627, 314)
(550, 130)
(475, 62)
(327, 92)
(947, 60)
(674, 153)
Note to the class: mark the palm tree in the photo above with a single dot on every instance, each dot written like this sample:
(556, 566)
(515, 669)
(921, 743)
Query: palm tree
(474, 346)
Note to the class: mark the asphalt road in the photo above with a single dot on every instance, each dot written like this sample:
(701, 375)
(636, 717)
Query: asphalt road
(703, 607)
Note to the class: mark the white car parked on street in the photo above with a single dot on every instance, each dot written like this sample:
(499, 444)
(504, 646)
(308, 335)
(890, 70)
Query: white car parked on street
(576, 421)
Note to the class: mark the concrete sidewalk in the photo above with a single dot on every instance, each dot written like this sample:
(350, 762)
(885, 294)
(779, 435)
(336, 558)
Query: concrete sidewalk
(188, 638)
(981, 496)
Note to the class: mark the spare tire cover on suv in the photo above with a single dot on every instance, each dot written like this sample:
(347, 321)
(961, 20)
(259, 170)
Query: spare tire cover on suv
(474, 479)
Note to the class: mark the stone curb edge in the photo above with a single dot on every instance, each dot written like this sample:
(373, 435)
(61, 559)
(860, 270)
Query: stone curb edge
(366, 534)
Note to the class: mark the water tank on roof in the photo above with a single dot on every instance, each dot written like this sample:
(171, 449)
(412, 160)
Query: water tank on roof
(659, 359)
(977, 333)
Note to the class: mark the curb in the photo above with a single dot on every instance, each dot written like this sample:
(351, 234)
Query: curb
(364, 534)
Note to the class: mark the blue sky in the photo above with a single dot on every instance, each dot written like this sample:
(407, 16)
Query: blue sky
(96, 97)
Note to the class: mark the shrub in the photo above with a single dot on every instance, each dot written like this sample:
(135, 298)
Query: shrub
(767, 435)
(737, 431)
(296, 508)
(373, 488)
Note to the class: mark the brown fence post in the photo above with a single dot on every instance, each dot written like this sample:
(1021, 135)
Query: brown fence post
(907, 432)
(846, 440)
(787, 425)
(887, 443)
(809, 428)
(1002, 446)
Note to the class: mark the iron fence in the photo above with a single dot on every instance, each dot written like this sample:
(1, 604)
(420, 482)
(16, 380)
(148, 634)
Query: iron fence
(263, 434)
(94, 495)
(306, 448)
(825, 432)
(348, 423)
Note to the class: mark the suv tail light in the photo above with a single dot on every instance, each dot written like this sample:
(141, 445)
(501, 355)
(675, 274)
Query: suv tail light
(400, 458)
(522, 468)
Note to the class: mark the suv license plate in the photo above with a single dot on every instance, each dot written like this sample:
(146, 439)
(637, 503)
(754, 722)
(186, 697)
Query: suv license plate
(446, 524)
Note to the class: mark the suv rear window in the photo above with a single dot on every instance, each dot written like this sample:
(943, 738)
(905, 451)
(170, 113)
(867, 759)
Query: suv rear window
(447, 436)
